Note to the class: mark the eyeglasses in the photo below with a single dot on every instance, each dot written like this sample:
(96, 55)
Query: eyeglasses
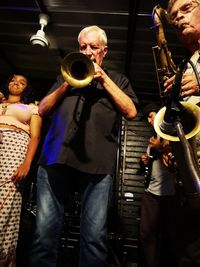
(184, 9)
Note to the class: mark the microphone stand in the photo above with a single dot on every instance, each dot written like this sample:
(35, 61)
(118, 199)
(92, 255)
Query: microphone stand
(171, 124)
(173, 106)
(188, 154)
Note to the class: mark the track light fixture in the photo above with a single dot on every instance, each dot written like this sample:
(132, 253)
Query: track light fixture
(39, 38)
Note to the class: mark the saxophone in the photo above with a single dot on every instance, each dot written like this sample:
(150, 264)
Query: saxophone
(165, 67)
(187, 126)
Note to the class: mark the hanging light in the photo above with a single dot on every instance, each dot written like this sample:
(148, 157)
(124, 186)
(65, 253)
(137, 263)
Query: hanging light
(39, 38)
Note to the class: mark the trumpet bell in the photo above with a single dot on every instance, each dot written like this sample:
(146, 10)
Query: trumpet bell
(77, 69)
(190, 120)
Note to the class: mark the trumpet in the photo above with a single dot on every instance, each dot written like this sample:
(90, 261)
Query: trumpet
(77, 69)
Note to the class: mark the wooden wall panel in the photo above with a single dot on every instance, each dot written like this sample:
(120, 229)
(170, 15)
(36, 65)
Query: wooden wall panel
(134, 139)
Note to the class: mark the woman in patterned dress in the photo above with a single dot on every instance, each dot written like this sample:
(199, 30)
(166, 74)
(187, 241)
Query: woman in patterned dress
(20, 127)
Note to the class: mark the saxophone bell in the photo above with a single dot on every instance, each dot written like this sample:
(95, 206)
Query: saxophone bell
(189, 115)
(185, 128)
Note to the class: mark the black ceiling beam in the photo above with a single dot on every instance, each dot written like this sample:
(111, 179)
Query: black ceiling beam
(41, 6)
(133, 13)
(9, 63)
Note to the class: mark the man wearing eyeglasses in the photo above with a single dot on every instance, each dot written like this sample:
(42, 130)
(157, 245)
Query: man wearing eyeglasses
(184, 15)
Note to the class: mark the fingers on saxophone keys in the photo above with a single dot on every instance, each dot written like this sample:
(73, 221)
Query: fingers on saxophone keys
(168, 86)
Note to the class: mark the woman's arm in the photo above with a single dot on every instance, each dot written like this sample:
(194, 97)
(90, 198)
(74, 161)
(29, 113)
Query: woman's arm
(1, 97)
(35, 133)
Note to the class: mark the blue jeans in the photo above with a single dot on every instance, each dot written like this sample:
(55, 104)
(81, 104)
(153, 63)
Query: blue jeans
(53, 184)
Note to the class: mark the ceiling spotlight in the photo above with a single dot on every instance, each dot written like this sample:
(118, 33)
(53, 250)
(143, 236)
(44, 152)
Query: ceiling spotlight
(39, 38)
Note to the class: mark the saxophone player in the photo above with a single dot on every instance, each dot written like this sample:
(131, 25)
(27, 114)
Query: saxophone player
(184, 16)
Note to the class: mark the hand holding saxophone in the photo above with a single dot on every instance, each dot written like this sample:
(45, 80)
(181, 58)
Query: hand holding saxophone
(189, 85)
(155, 143)
(145, 159)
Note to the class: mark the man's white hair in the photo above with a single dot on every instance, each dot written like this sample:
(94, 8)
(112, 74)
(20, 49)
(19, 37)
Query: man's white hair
(94, 28)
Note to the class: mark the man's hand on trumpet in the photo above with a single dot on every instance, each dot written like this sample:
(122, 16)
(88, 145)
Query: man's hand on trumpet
(99, 74)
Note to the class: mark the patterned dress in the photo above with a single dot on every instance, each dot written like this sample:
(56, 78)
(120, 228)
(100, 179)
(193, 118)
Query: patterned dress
(12, 153)
(13, 149)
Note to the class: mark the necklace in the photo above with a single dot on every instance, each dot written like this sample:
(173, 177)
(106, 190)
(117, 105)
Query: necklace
(4, 108)
(5, 105)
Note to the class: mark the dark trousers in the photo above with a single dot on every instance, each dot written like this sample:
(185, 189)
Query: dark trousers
(158, 230)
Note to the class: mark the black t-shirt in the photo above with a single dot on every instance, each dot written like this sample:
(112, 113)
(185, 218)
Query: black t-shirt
(84, 128)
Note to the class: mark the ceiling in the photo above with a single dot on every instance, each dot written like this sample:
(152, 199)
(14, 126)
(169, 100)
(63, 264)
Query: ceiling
(127, 23)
